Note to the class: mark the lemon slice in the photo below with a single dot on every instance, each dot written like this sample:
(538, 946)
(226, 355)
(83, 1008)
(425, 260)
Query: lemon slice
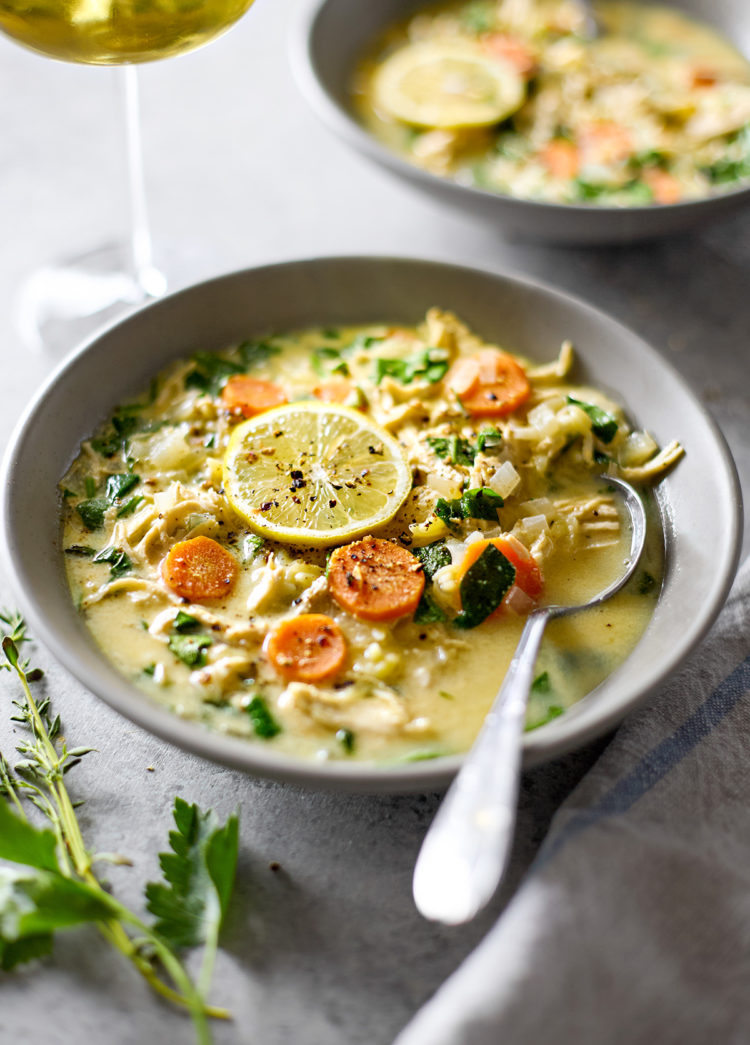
(314, 473)
(447, 85)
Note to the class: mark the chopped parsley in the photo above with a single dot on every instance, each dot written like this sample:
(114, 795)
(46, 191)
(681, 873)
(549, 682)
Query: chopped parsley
(190, 649)
(345, 737)
(481, 503)
(603, 424)
(326, 361)
(124, 422)
(263, 723)
(429, 364)
(119, 562)
(453, 449)
(185, 622)
(484, 586)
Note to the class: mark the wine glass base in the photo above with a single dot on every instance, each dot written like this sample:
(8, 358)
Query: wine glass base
(58, 305)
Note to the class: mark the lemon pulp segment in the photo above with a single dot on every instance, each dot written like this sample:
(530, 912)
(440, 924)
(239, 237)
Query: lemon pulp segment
(447, 85)
(314, 473)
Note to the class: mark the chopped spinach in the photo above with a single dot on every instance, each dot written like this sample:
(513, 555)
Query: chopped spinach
(254, 353)
(150, 670)
(92, 512)
(345, 737)
(479, 16)
(552, 711)
(603, 424)
(326, 361)
(481, 503)
(211, 372)
(263, 722)
(430, 364)
(124, 422)
(119, 562)
(130, 506)
(80, 549)
(185, 622)
(190, 649)
(541, 683)
(428, 611)
(433, 557)
(119, 484)
(488, 439)
(453, 449)
(483, 587)
(89, 484)
(251, 545)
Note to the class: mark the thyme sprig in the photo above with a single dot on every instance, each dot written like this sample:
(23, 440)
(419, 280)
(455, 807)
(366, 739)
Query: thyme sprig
(47, 877)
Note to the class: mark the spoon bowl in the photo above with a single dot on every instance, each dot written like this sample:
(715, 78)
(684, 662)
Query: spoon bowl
(465, 852)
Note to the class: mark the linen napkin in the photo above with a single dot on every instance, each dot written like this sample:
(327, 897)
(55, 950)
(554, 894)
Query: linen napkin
(633, 923)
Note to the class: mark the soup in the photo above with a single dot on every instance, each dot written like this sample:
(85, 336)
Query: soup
(328, 541)
(518, 98)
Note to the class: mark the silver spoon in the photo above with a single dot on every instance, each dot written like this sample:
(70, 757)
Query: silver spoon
(465, 851)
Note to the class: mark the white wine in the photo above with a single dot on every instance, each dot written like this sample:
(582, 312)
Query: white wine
(116, 32)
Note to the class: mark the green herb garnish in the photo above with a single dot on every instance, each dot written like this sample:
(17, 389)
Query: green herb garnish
(263, 722)
(130, 506)
(119, 484)
(211, 372)
(190, 649)
(429, 364)
(603, 424)
(483, 587)
(123, 423)
(185, 622)
(453, 449)
(80, 549)
(433, 557)
(92, 512)
(489, 439)
(255, 353)
(345, 737)
(326, 361)
(646, 583)
(541, 683)
(481, 503)
(119, 562)
(428, 611)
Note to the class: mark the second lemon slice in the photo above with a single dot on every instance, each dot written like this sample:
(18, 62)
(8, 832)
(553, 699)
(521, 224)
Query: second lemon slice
(447, 85)
(314, 473)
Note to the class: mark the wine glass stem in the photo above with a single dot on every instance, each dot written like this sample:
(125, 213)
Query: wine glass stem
(150, 281)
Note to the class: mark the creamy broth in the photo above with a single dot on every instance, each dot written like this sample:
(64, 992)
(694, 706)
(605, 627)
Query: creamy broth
(654, 110)
(416, 685)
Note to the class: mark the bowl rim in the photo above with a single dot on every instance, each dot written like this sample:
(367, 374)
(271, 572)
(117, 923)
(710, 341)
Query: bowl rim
(545, 743)
(340, 120)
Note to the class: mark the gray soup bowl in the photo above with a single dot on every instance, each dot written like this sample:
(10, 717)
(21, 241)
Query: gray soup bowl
(699, 500)
(330, 36)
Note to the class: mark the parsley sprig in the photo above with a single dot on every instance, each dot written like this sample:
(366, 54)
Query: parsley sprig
(48, 880)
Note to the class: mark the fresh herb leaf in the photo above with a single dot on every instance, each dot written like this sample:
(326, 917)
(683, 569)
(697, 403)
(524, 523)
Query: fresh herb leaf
(428, 611)
(80, 549)
(185, 622)
(130, 506)
(453, 449)
(211, 372)
(119, 484)
(445, 694)
(92, 512)
(190, 649)
(541, 683)
(479, 16)
(22, 843)
(89, 484)
(488, 439)
(480, 503)
(119, 562)
(122, 425)
(603, 424)
(345, 737)
(191, 903)
(433, 557)
(150, 670)
(429, 364)
(483, 587)
(251, 545)
(326, 361)
(263, 722)
(255, 353)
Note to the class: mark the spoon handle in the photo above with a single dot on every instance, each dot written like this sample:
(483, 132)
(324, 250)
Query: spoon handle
(465, 851)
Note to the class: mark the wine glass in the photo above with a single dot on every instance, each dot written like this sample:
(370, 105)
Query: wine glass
(85, 289)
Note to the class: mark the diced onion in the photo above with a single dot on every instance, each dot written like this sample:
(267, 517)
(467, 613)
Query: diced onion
(637, 448)
(505, 479)
(534, 525)
(518, 601)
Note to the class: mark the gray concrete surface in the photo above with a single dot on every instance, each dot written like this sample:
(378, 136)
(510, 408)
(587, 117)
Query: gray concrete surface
(328, 950)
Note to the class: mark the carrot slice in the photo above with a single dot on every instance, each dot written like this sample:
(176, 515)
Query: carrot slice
(250, 396)
(499, 387)
(511, 50)
(560, 157)
(337, 390)
(308, 648)
(375, 579)
(704, 77)
(665, 187)
(528, 575)
(199, 569)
